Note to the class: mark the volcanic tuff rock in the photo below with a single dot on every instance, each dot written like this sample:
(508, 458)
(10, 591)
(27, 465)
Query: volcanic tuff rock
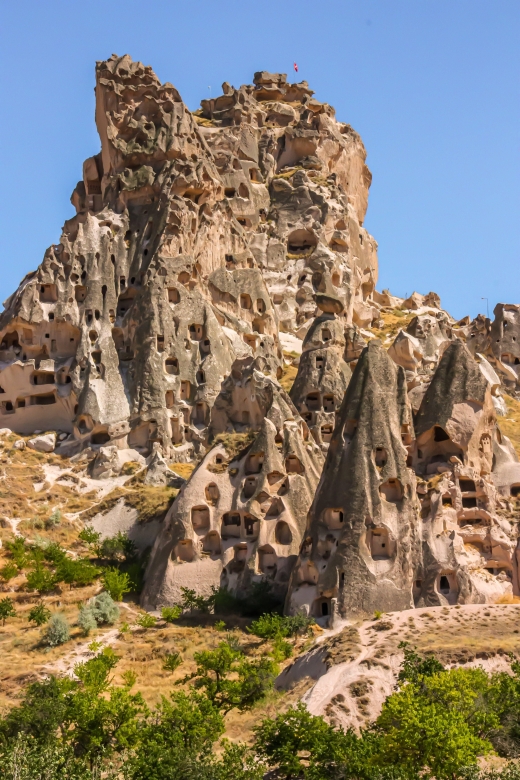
(213, 255)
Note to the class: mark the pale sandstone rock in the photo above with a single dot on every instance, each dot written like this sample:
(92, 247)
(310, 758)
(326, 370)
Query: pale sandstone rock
(44, 443)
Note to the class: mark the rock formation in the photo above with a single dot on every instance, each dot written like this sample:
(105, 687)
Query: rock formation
(213, 255)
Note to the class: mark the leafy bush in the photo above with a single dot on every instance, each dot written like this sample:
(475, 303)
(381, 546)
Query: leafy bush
(54, 553)
(104, 609)
(172, 661)
(275, 625)
(8, 571)
(171, 614)
(56, 631)
(116, 582)
(86, 620)
(39, 614)
(41, 579)
(89, 536)
(19, 551)
(79, 572)
(146, 620)
(7, 609)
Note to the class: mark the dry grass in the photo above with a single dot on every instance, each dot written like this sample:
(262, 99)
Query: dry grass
(151, 501)
(184, 470)
(288, 377)
(510, 425)
(394, 321)
(472, 634)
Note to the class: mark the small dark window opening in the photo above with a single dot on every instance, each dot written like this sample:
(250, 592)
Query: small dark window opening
(439, 434)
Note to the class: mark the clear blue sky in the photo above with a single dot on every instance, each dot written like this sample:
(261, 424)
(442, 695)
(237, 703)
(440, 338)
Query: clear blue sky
(432, 86)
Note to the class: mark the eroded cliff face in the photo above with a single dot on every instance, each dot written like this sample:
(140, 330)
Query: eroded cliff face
(212, 254)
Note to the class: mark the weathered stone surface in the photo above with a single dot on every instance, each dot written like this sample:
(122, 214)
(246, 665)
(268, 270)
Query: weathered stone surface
(45, 443)
(358, 552)
(212, 253)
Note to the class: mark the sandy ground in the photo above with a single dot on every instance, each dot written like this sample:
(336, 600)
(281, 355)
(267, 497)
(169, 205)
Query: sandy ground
(351, 692)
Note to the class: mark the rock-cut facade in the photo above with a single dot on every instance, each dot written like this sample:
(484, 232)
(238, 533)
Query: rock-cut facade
(211, 251)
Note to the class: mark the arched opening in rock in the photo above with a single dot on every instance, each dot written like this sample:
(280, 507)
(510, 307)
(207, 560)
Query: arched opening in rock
(185, 390)
(326, 335)
(301, 242)
(245, 301)
(42, 378)
(184, 550)
(169, 399)
(329, 404)
(293, 465)
(326, 433)
(321, 607)
(171, 365)
(313, 402)
(515, 490)
(391, 490)
(267, 560)
(231, 524)
(211, 543)
(200, 518)
(333, 518)
(196, 332)
(173, 295)
(254, 463)
(251, 525)
(100, 437)
(467, 485)
(380, 457)
(199, 413)
(282, 533)
(249, 487)
(260, 305)
(48, 293)
(212, 492)
(380, 544)
(439, 434)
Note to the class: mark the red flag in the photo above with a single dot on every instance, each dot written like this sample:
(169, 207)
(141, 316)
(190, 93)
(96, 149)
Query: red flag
(296, 67)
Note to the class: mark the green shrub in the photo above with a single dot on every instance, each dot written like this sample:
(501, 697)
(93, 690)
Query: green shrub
(171, 614)
(7, 609)
(116, 582)
(57, 631)
(89, 536)
(104, 609)
(41, 579)
(8, 571)
(172, 661)
(39, 614)
(86, 620)
(77, 572)
(146, 620)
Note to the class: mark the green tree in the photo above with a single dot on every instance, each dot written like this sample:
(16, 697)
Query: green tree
(414, 667)
(437, 722)
(89, 536)
(177, 739)
(7, 609)
(229, 680)
(56, 631)
(19, 551)
(297, 744)
(116, 583)
(41, 579)
(77, 572)
(39, 614)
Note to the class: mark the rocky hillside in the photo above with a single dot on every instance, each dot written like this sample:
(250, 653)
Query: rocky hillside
(203, 361)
